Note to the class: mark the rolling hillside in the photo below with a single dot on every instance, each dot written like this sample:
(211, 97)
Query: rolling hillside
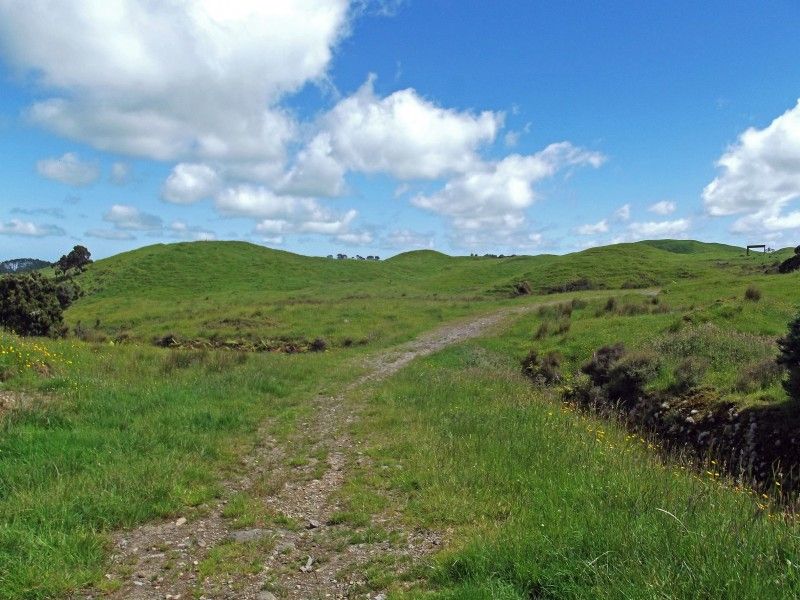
(237, 289)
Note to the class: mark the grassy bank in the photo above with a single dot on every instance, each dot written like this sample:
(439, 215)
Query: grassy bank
(541, 502)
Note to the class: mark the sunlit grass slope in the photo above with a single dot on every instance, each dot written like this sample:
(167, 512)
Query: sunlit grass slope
(237, 289)
(106, 437)
(540, 501)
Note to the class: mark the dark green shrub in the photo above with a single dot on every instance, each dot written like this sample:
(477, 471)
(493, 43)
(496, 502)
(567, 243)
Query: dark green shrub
(543, 370)
(318, 345)
(629, 375)
(67, 292)
(792, 263)
(599, 366)
(31, 305)
(77, 259)
(611, 305)
(789, 358)
(752, 293)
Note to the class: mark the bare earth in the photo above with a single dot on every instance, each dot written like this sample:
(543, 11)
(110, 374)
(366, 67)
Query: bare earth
(302, 553)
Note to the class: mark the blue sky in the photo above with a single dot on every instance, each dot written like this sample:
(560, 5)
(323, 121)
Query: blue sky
(325, 126)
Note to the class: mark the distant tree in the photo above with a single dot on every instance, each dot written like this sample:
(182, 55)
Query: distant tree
(77, 259)
(33, 305)
(789, 358)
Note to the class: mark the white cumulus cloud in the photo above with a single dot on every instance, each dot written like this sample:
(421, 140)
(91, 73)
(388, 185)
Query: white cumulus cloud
(29, 229)
(593, 228)
(110, 234)
(279, 215)
(189, 183)
(181, 230)
(120, 173)
(652, 229)
(665, 207)
(402, 134)
(408, 239)
(172, 80)
(130, 218)
(68, 169)
(359, 238)
(405, 135)
(623, 213)
(760, 176)
(494, 195)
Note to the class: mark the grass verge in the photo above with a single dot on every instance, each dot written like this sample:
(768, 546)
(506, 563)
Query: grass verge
(542, 502)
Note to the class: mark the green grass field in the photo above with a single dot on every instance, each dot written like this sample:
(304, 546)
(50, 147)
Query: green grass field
(239, 290)
(542, 502)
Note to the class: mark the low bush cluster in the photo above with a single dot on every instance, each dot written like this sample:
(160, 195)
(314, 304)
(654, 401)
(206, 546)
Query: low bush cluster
(618, 376)
(556, 318)
(576, 285)
(789, 359)
(543, 369)
(630, 308)
(31, 304)
(758, 375)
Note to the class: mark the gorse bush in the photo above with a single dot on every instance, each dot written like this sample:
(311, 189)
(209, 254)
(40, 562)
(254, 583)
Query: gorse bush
(620, 376)
(630, 374)
(789, 358)
(543, 369)
(599, 366)
(33, 305)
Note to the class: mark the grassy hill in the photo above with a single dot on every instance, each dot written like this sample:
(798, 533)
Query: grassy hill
(98, 437)
(237, 289)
